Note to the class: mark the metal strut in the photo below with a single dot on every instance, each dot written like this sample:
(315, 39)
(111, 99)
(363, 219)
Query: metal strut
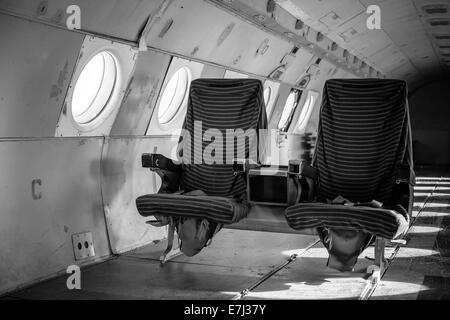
(289, 260)
(376, 270)
(170, 253)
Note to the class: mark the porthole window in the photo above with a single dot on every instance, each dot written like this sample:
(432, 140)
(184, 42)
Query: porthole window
(174, 95)
(289, 110)
(94, 88)
(270, 95)
(267, 94)
(306, 110)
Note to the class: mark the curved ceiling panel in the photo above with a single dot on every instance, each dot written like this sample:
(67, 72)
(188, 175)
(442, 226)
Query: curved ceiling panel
(412, 44)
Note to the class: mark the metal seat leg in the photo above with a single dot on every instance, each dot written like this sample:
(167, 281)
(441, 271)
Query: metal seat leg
(376, 270)
(170, 253)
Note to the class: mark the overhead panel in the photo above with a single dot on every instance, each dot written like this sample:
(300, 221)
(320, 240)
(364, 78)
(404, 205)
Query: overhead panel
(123, 19)
(435, 17)
(325, 21)
(343, 12)
(413, 38)
(218, 36)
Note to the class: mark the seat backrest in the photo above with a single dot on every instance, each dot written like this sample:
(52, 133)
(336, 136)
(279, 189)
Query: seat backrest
(363, 138)
(215, 106)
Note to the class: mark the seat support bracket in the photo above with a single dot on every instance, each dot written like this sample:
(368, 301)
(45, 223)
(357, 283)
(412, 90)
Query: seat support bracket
(170, 252)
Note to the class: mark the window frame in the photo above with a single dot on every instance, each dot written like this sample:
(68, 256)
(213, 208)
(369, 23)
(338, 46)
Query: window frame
(275, 88)
(96, 108)
(302, 123)
(296, 102)
(181, 102)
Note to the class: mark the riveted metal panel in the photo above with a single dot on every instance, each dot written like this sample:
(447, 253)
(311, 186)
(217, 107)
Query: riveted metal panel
(36, 65)
(125, 59)
(143, 91)
(117, 18)
(50, 190)
(123, 180)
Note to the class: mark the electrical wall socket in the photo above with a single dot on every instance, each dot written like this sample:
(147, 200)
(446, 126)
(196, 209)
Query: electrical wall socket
(83, 245)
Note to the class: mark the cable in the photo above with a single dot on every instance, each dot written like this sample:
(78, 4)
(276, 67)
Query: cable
(291, 259)
(370, 287)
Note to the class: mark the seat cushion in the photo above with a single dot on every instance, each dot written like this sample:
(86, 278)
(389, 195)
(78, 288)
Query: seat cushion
(218, 209)
(385, 223)
(362, 139)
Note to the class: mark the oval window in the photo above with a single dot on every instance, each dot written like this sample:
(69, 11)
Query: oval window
(94, 87)
(174, 95)
(270, 95)
(289, 110)
(267, 95)
(306, 110)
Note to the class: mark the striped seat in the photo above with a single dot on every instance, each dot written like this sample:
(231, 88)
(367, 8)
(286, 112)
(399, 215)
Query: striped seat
(363, 139)
(384, 223)
(219, 209)
(215, 106)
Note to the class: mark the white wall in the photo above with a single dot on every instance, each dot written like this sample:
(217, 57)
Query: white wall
(36, 65)
(36, 231)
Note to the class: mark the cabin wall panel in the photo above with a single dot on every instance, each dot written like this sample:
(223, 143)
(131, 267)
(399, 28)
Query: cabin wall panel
(299, 66)
(101, 125)
(36, 66)
(283, 93)
(173, 127)
(123, 180)
(117, 18)
(218, 37)
(213, 72)
(316, 83)
(209, 39)
(143, 91)
(431, 147)
(36, 226)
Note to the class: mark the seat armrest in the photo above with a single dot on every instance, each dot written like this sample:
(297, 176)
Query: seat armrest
(164, 167)
(158, 161)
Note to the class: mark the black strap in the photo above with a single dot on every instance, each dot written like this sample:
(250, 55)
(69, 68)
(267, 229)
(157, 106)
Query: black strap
(158, 161)
(310, 172)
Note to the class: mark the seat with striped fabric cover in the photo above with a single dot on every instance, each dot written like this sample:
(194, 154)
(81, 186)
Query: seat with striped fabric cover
(217, 109)
(363, 154)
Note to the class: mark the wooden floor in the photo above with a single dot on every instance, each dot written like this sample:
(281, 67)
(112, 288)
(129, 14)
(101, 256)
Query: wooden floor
(238, 260)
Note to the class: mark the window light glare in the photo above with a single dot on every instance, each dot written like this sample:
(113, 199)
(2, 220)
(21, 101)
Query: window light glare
(174, 95)
(267, 95)
(270, 95)
(306, 111)
(289, 107)
(94, 87)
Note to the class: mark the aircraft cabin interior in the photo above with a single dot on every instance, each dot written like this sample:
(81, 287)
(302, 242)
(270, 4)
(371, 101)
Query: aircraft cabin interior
(224, 150)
